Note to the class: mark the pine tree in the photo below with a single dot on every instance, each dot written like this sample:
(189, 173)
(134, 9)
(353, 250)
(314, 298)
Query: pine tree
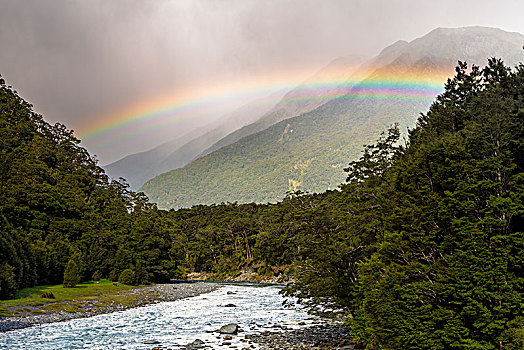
(71, 274)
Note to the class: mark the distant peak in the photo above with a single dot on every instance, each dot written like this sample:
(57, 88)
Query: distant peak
(467, 29)
(399, 44)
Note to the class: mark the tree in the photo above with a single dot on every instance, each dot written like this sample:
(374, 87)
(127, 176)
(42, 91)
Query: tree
(71, 274)
(448, 268)
(127, 277)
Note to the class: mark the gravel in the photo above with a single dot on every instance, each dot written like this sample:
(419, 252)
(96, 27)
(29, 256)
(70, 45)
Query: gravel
(327, 335)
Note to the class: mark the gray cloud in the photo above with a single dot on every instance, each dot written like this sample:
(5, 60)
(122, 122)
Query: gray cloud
(76, 59)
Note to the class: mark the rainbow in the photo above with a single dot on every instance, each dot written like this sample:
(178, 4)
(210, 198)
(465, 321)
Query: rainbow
(197, 104)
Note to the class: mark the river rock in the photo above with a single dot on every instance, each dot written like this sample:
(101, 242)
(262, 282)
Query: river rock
(231, 328)
(320, 337)
(230, 305)
(197, 344)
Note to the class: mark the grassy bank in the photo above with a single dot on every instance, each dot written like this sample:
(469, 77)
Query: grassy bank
(85, 297)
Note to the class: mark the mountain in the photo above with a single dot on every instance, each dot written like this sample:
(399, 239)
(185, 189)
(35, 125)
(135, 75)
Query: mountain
(310, 94)
(308, 152)
(139, 167)
(249, 119)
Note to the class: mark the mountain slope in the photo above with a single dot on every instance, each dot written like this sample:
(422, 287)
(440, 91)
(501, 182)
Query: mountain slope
(249, 119)
(140, 167)
(308, 152)
(310, 94)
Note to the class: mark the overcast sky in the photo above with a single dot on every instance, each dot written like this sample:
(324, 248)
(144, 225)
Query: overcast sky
(79, 60)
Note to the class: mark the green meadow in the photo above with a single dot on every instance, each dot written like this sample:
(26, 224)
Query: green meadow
(85, 297)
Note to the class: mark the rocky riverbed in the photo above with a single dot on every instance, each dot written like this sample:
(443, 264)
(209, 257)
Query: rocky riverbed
(147, 295)
(233, 317)
(322, 336)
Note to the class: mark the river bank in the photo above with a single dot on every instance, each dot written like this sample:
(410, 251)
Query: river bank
(323, 336)
(248, 276)
(135, 297)
(261, 321)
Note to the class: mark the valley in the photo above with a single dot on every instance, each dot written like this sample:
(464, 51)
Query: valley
(395, 205)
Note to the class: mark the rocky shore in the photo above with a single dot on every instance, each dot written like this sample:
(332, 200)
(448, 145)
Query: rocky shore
(321, 336)
(318, 337)
(148, 295)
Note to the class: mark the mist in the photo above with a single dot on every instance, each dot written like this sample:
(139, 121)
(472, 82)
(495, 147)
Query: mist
(79, 61)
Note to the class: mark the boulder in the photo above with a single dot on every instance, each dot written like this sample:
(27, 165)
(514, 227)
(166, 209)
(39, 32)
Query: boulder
(231, 328)
(197, 344)
(48, 295)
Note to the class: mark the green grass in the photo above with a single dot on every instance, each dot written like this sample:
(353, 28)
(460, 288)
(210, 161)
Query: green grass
(83, 296)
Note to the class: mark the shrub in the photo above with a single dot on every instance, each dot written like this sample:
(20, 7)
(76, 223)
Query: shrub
(8, 285)
(48, 295)
(127, 277)
(113, 276)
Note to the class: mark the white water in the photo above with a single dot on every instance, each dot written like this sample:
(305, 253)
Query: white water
(173, 324)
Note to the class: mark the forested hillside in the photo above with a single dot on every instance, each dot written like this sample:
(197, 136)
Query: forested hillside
(307, 152)
(57, 208)
(422, 247)
(431, 254)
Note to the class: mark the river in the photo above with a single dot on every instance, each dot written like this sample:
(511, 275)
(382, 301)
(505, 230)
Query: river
(169, 324)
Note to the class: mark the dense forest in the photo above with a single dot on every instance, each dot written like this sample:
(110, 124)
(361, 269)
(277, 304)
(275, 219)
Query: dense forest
(422, 246)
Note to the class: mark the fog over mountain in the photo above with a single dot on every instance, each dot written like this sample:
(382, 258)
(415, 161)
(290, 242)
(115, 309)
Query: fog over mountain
(309, 151)
(249, 119)
(304, 98)
(140, 167)
(92, 64)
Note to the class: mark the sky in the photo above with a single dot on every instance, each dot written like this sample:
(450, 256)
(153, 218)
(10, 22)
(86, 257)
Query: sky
(92, 65)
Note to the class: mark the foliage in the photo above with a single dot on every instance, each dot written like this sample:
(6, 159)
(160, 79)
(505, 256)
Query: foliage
(423, 246)
(71, 274)
(127, 277)
(56, 204)
(97, 276)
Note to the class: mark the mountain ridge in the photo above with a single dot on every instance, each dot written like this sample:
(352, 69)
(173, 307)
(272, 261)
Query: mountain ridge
(139, 167)
(308, 152)
(246, 120)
